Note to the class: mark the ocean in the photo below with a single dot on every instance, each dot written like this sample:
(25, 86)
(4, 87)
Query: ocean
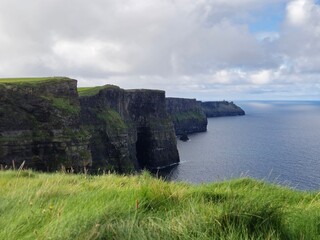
(275, 141)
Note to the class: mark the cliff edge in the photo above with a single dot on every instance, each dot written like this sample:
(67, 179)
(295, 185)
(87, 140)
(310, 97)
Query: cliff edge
(47, 126)
(130, 128)
(40, 124)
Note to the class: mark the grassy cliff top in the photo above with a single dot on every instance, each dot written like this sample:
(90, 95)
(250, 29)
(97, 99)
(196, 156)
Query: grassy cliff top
(173, 99)
(31, 80)
(188, 115)
(62, 206)
(91, 91)
(144, 90)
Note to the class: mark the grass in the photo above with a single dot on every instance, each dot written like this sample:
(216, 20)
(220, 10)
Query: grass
(30, 80)
(65, 105)
(187, 116)
(91, 91)
(62, 206)
(112, 119)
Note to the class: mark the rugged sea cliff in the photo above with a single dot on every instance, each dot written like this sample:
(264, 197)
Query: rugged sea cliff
(40, 124)
(190, 115)
(221, 109)
(187, 115)
(45, 125)
(130, 129)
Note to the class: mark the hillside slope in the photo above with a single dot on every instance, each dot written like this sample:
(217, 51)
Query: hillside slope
(61, 206)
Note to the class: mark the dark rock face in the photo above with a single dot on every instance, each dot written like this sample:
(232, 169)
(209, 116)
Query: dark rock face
(113, 139)
(40, 124)
(221, 108)
(184, 137)
(187, 115)
(46, 125)
(156, 141)
(130, 129)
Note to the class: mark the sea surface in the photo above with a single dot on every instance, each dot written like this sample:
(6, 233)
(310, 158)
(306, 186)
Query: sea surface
(275, 141)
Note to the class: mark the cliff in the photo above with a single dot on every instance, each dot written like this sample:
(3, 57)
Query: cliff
(130, 129)
(103, 114)
(45, 124)
(221, 108)
(40, 124)
(187, 115)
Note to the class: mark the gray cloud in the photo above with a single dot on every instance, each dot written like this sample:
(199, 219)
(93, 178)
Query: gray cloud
(195, 48)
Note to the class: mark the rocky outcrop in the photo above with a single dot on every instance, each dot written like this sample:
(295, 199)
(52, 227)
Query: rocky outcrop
(221, 108)
(130, 129)
(187, 115)
(40, 124)
(190, 115)
(45, 124)
(103, 113)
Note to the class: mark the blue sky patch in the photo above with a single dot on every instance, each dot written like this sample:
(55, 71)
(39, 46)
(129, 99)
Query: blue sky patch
(269, 19)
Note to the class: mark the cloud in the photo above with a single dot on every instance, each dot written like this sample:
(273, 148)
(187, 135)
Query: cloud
(300, 40)
(261, 77)
(182, 46)
(297, 11)
(156, 37)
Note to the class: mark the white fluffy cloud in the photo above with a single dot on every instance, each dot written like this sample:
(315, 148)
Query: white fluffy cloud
(300, 40)
(202, 49)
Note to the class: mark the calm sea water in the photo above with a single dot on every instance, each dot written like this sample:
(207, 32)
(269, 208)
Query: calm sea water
(275, 141)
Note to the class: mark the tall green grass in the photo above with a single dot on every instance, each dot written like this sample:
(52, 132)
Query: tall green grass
(91, 91)
(62, 206)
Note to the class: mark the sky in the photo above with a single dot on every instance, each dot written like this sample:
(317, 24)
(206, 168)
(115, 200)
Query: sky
(204, 49)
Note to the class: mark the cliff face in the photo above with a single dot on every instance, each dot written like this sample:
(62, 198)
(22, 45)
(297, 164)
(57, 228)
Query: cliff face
(113, 139)
(221, 108)
(45, 124)
(187, 115)
(40, 124)
(156, 141)
(130, 129)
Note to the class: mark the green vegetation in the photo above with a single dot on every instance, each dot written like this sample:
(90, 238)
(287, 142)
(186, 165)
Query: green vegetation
(31, 80)
(186, 116)
(80, 134)
(112, 119)
(65, 105)
(91, 91)
(61, 206)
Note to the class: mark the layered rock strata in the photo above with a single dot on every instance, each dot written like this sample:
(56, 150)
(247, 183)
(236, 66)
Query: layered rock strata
(45, 125)
(40, 125)
(130, 129)
(187, 115)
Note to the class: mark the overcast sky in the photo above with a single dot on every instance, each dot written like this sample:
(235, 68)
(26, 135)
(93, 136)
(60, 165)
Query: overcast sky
(208, 49)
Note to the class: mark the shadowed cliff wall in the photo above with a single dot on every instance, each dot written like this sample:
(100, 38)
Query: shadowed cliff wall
(131, 129)
(221, 108)
(156, 141)
(113, 138)
(40, 124)
(187, 115)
